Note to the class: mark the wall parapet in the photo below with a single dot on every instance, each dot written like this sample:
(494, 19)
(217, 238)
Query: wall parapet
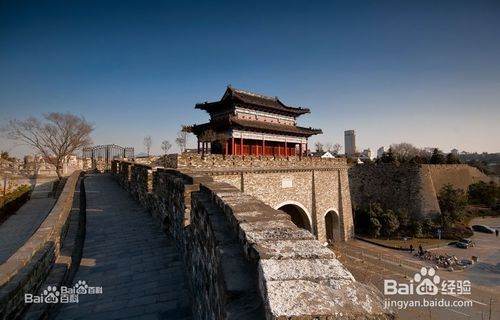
(214, 161)
(246, 259)
(27, 268)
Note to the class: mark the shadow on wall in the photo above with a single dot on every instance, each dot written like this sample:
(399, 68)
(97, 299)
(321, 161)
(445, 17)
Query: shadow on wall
(299, 217)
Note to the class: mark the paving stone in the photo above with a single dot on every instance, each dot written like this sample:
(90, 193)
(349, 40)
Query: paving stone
(137, 265)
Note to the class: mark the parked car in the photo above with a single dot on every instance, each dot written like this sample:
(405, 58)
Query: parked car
(462, 245)
(469, 242)
(482, 228)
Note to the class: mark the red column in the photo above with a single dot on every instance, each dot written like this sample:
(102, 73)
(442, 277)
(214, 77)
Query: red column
(286, 149)
(306, 149)
(241, 145)
(300, 150)
(263, 147)
(226, 143)
(232, 145)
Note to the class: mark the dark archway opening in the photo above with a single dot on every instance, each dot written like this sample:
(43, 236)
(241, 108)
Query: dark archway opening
(332, 226)
(299, 217)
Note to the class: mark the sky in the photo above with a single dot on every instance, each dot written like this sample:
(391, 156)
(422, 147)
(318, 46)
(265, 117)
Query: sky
(423, 72)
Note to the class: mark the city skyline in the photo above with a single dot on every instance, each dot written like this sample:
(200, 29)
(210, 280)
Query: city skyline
(422, 73)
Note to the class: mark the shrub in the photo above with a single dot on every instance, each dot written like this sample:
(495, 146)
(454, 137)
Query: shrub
(452, 203)
(389, 222)
(13, 201)
(374, 227)
(483, 193)
(416, 229)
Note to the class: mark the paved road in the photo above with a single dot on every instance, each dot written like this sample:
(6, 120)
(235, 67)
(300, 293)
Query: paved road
(127, 254)
(487, 271)
(20, 226)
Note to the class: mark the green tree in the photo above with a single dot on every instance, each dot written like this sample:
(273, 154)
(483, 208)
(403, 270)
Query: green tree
(375, 210)
(437, 157)
(427, 226)
(389, 222)
(374, 227)
(361, 220)
(452, 203)
(420, 159)
(452, 159)
(416, 228)
(483, 193)
(388, 157)
(403, 218)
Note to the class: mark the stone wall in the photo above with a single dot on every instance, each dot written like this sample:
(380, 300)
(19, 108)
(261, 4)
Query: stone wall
(458, 175)
(396, 187)
(245, 259)
(316, 185)
(408, 186)
(315, 191)
(217, 161)
(28, 267)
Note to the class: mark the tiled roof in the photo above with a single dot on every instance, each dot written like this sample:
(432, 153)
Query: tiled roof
(253, 125)
(253, 100)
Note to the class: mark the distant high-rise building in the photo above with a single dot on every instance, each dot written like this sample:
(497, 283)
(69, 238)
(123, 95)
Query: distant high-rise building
(380, 152)
(350, 143)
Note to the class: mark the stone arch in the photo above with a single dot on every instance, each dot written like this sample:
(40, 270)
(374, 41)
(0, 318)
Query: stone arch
(332, 226)
(299, 214)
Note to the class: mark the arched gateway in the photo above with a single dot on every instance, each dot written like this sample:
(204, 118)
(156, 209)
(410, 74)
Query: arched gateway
(298, 214)
(332, 226)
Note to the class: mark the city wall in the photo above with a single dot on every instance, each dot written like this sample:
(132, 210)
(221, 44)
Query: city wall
(27, 269)
(318, 186)
(408, 186)
(243, 258)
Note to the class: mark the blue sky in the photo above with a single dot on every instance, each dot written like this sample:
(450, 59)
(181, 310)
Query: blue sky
(424, 72)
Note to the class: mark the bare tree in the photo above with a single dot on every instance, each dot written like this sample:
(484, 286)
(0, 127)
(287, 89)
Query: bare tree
(319, 146)
(148, 142)
(336, 148)
(328, 146)
(165, 146)
(182, 137)
(56, 136)
(331, 147)
(404, 152)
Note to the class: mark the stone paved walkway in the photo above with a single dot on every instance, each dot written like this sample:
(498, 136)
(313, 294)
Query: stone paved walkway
(20, 226)
(127, 254)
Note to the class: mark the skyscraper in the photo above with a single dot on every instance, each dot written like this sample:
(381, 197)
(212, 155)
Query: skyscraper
(350, 143)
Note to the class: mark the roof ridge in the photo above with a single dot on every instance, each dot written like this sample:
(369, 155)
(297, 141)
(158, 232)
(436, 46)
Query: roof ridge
(254, 94)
